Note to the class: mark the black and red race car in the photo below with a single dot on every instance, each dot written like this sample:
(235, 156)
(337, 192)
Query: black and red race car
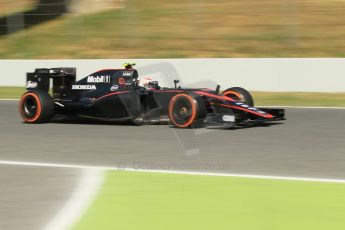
(115, 95)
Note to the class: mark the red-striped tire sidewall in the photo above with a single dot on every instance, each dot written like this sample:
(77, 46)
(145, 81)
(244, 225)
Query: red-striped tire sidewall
(227, 93)
(39, 107)
(193, 103)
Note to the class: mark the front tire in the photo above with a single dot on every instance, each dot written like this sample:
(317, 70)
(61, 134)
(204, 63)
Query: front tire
(36, 107)
(187, 111)
(239, 95)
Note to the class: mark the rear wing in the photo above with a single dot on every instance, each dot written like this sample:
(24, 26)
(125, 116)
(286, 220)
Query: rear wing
(61, 79)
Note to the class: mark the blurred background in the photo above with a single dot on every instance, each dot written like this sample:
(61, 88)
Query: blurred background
(36, 197)
(51, 29)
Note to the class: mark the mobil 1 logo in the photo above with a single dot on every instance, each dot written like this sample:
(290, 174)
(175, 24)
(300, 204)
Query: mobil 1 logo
(98, 79)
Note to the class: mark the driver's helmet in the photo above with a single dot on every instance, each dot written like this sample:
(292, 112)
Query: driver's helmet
(145, 82)
(128, 65)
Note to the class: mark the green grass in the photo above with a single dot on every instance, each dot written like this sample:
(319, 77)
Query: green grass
(132, 200)
(299, 99)
(261, 98)
(181, 28)
(11, 92)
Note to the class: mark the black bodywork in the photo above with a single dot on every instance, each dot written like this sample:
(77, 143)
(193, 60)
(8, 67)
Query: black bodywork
(114, 95)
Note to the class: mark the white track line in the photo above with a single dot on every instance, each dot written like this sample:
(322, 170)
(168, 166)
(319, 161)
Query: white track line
(297, 107)
(70, 166)
(79, 201)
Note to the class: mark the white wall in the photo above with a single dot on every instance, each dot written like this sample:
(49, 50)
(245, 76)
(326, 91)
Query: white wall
(261, 74)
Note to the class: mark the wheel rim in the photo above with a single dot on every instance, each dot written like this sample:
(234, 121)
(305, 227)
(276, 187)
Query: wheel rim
(30, 107)
(182, 110)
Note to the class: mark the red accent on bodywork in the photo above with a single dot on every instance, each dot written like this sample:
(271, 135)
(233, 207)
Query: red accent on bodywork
(170, 91)
(268, 116)
(207, 89)
(109, 70)
(215, 96)
(111, 94)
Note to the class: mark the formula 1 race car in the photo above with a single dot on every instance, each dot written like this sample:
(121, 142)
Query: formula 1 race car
(116, 95)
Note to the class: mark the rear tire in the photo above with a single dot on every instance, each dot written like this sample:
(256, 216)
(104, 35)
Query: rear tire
(187, 111)
(36, 107)
(239, 95)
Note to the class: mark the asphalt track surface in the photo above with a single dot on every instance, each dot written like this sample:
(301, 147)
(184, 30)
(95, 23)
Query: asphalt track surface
(31, 196)
(310, 143)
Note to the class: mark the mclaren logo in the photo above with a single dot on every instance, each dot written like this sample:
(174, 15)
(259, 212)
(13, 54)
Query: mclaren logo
(98, 79)
(84, 87)
(127, 73)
